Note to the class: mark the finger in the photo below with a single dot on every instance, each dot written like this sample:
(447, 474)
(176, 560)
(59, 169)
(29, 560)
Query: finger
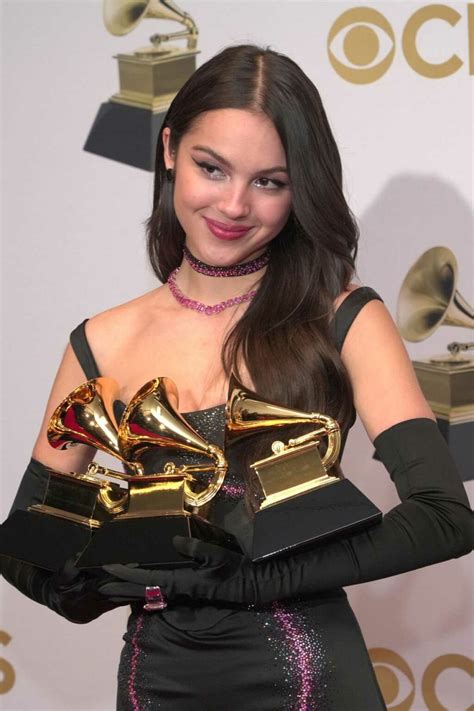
(121, 601)
(142, 576)
(207, 554)
(68, 574)
(176, 581)
(187, 546)
(122, 591)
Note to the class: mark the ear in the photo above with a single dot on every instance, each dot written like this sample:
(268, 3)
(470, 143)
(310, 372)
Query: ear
(167, 153)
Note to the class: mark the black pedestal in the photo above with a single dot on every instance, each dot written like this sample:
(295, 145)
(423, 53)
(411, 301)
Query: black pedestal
(44, 541)
(148, 541)
(338, 509)
(126, 134)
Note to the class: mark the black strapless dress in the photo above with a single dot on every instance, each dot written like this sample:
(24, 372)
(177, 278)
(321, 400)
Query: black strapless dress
(294, 656)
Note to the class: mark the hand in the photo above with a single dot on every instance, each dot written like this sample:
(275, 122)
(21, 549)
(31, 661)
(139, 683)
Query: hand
(219, 575)
(76, 593)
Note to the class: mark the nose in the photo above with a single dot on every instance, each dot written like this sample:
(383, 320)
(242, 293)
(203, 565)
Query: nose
(234, 201)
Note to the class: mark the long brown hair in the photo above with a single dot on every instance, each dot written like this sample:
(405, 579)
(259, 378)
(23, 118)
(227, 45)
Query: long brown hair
(285, 336)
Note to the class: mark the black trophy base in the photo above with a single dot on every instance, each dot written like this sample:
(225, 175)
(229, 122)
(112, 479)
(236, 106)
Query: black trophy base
(42, 540)
(127, 134)
(148, 541)
(338, 509)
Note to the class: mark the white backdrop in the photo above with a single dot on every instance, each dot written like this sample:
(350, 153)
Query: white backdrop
(70, 219)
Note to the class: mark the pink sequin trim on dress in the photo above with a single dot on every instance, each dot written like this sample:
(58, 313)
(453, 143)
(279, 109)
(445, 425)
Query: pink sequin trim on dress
(132, 693)
(300, 653)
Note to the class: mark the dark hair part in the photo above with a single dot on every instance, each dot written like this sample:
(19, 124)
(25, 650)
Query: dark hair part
(285, 336)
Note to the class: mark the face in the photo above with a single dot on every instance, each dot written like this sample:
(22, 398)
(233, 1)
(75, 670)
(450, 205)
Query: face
(231, 192)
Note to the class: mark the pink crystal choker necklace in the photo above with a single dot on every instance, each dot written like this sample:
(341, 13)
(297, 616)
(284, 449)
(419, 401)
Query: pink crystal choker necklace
(234, 270)
(198, 305)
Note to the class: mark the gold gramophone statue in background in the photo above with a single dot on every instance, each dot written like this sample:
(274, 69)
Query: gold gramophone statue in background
(296, 494)
(126, 127)
(429, 299)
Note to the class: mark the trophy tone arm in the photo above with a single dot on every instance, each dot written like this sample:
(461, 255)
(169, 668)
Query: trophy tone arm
(220, 470)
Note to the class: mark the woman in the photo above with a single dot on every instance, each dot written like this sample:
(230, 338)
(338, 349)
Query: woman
(248, 181)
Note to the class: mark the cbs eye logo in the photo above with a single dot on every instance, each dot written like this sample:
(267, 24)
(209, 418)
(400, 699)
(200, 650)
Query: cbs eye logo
(366, 40)
(398, 685)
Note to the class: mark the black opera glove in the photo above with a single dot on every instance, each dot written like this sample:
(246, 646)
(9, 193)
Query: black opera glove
(76, 594)
(432, 524)
(72, 593)
(219, 574)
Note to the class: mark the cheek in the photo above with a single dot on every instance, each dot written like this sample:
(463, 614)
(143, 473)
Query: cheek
(191, 195)
(274, 214)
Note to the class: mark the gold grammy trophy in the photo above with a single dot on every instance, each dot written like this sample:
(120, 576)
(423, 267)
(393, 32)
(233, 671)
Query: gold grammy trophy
(90, 514)
(296, 494)
(429, 299)
(164, 503)
(126, 127)
(74, 504)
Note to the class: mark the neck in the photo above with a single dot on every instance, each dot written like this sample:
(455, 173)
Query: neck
(211, 290)
(242, 269)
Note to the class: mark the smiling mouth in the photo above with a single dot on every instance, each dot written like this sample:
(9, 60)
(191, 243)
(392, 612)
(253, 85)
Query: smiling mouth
(226, 231)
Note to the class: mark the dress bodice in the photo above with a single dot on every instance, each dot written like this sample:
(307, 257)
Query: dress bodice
(210, 422)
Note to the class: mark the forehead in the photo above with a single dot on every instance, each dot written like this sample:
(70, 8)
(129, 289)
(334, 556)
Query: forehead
(238, 135)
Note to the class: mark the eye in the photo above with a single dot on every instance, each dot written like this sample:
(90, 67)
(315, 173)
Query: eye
(364, 39)
(449, 671)
(395, 678)
(210, 171)
(269, 183)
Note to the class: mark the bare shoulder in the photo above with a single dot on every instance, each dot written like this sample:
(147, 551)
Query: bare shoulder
(110, 331)
(386, 390)
(344, 294)
(107, 333)
(113, 320)
(373, 329)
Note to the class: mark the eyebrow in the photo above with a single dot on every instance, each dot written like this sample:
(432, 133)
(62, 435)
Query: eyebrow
(224, 161)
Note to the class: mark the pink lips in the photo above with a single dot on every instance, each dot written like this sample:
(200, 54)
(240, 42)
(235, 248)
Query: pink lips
(227, 232)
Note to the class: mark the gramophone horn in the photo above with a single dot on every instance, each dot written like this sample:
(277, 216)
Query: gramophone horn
(121, 16)
(247, 412)
(152, 419)
(428, 297)
(86, 416)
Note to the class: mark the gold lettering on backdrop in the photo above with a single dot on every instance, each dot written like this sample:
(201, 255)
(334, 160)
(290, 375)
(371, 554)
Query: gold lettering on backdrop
(413, 57)
(384, 662)
(433, 672)
(7, 672)
(361, 45)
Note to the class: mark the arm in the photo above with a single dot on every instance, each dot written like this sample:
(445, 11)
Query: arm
(69, 593)
(68, 377)
(385, 387)
(33, 484)
(433, 523)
